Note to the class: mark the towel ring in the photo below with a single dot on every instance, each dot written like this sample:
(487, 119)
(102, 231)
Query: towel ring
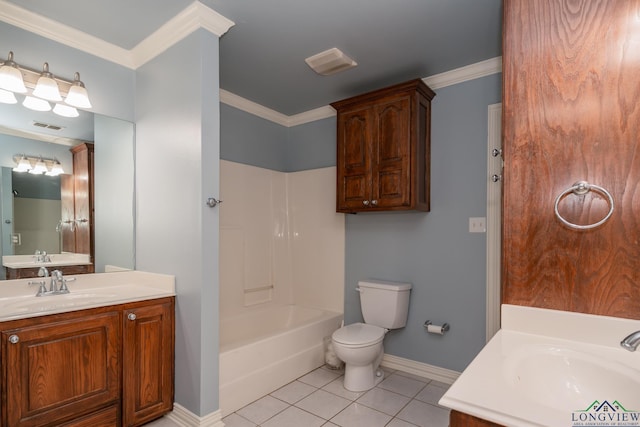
(580, 188)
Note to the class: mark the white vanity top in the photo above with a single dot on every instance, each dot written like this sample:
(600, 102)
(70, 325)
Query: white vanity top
(56, 260)
(552, 368)
(18, 300)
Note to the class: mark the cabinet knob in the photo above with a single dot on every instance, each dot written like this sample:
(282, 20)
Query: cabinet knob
(365, 202)
(496, 177)
(131, 316)
(496, 152)
(14, 339)
(374, 202)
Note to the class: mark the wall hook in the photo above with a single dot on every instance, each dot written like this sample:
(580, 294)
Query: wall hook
(213, 202)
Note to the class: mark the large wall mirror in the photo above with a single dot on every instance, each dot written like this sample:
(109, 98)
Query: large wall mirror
(30, 205)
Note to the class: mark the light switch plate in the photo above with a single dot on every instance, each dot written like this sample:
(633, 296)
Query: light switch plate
(477, 225)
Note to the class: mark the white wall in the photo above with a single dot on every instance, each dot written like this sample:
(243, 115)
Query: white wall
(279, 230)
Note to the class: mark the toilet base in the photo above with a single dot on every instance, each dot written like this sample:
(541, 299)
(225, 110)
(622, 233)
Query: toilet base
(361, 378)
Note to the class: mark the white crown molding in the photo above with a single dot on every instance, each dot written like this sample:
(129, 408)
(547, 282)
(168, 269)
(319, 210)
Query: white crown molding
(437, 81)
(254, 108)
(185, 418)
(463, 74)
(192, 18)
(312, 115)
(180, 26)
(53, 30)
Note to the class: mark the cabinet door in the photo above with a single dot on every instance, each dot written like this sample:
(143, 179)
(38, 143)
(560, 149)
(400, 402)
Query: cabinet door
(83, 198)
(354, 159)
(148, 363)
(53, 372)
(391, 164)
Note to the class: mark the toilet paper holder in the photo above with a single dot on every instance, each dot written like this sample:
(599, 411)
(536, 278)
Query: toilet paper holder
(436, 329)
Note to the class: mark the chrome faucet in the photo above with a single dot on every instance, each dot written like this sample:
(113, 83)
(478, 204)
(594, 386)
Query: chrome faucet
(57, 286)
(631, 342)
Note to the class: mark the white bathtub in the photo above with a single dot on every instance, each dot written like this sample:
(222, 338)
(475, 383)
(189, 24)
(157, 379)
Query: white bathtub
(265, 349)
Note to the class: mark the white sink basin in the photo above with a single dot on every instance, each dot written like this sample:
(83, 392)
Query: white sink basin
(561, 378)
(551, 368)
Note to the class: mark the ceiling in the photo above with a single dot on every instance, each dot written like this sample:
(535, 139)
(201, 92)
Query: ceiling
(262, 55)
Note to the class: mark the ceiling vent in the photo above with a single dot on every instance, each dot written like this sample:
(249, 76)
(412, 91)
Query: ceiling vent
(330, 62)
(47, 126)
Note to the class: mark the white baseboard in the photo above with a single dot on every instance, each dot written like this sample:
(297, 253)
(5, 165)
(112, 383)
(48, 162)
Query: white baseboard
(185, 418)
(436, 373)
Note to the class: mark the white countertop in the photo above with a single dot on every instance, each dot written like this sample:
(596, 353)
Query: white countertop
(18, 300)
(549, 368)
(55, 260)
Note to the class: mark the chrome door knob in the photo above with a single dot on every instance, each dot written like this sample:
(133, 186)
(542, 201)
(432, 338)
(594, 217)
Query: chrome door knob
(14, 339)
(365, 202)
(131, 316)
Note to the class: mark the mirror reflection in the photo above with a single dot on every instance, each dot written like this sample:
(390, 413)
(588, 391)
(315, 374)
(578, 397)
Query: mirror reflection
(38, 226)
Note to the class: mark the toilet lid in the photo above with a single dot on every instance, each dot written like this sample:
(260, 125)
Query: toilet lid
(358, 334)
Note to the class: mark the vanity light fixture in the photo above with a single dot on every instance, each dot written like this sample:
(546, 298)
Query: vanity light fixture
(78, 96)
(40, 87)
(7, 97)
(11, 76)
(65, 110)
(24, 165)
(55, 169)
(46, 87)
(36, 104)
(38, 165)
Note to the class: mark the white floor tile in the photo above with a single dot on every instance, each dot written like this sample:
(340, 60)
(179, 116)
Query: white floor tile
(162, 422)
(293, 392)
(323, 404)
(402, 385)
(431, 394)
(396, 422)
(384, 401)
(424, 415)
(235, 420)
(294, 417)
(337, 387)
(357, 415)
(263, 409)
(320, 377)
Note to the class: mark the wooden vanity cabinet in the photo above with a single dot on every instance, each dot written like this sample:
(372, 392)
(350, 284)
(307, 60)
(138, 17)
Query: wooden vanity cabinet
(60, 368)
(383, 149)
(460, 419)
(108, 366)
(148, 368)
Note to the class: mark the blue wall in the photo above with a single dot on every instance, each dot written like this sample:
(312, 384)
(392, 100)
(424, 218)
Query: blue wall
(177, 168)
(434, 251)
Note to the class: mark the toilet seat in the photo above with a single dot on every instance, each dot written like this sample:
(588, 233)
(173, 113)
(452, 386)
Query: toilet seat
(359, 335)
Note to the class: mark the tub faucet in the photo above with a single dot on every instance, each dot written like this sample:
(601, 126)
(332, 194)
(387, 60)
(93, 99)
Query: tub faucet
(631, 342)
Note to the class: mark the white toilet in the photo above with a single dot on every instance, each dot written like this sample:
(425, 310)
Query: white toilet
(385, 306)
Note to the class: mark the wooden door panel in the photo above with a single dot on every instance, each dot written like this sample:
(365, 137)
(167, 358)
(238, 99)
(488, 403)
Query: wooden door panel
(148, 358)
(354, 158)
(391, 167)
(62, 369)
(570, 108)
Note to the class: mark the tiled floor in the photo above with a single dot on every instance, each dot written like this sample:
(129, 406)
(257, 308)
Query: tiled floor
(319, 399)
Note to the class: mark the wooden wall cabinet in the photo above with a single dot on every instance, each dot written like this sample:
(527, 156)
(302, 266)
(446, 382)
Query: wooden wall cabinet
(108, 366)
(77, 193)
(383, 149)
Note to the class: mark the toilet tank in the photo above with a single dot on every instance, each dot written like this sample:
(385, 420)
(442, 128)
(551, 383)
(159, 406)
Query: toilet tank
(384, 304)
